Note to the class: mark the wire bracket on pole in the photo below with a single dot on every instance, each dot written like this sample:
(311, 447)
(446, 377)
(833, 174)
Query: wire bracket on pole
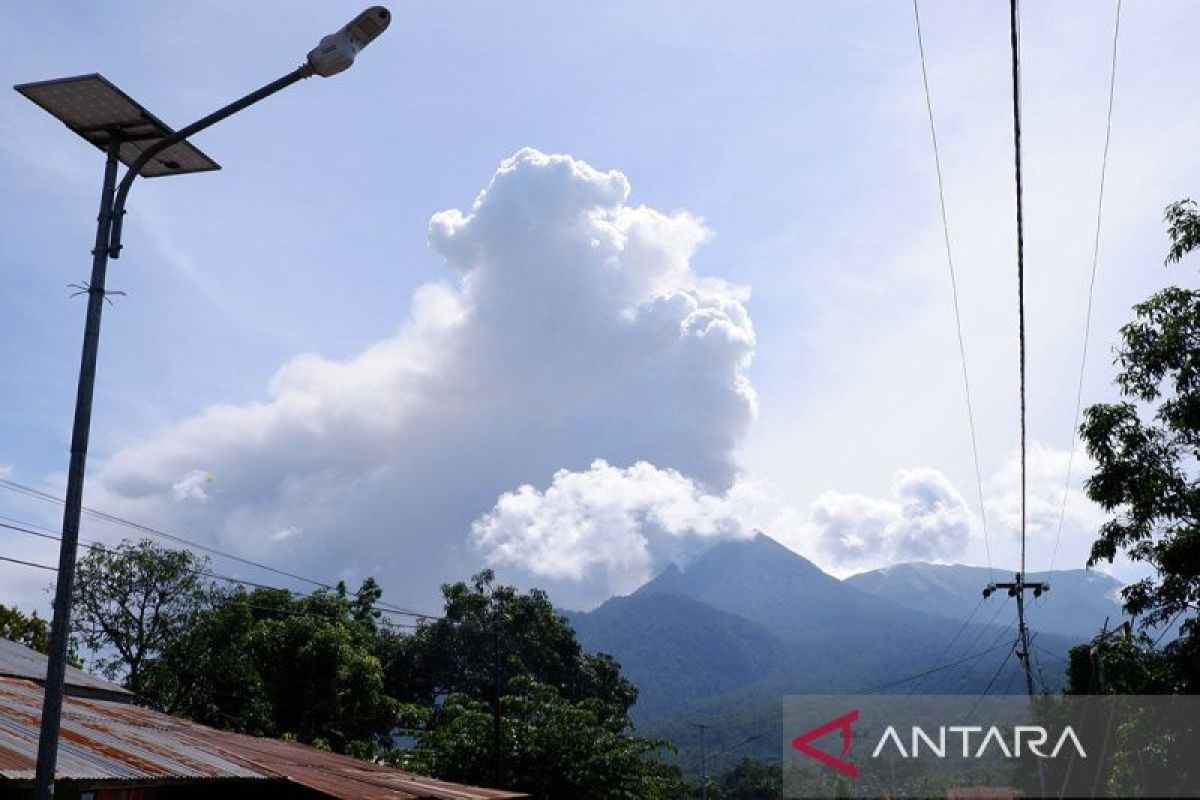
(84, 288)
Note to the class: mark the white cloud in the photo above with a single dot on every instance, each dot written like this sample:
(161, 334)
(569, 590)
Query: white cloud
(604, 531)
(1046, 471)
(924, 519)
(574, 329)
(191, 486)
(286, 532)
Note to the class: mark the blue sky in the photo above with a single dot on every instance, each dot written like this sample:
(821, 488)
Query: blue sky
(795, 131)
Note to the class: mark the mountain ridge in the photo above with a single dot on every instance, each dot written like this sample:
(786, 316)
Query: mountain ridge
(1077, 604)
(750, 621)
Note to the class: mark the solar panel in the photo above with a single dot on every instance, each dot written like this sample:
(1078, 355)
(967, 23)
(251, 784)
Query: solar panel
(97, 110)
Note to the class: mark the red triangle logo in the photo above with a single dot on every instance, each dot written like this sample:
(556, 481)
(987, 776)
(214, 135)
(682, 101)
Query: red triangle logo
(843, 723)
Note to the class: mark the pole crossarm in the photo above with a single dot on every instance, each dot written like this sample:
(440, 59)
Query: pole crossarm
(1013, 587)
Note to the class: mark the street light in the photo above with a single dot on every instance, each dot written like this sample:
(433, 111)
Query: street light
(108, 118)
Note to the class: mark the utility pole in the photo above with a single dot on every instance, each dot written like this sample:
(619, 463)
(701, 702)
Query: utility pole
(703, 760)
(1017, 589)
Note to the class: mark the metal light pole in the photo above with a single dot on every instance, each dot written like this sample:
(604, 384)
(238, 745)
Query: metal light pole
(110, 119)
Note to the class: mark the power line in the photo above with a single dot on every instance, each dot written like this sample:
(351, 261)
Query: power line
(242, 582)
(1087, 317)
(38, 494)
(231, 600)
(1011, 649)
(1033, 648)
(983, 629)
(1001, 640)
(962, 348)
(1050, 653)
(1167, 627)
(946, 651)
(27, 563)
(761, 713)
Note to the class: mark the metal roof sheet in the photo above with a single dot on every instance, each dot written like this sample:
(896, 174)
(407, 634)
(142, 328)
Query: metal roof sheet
(106, 741)
(115, 742)
(19, 661)
(349, 778)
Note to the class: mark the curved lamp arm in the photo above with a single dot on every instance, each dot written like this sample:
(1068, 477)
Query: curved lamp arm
(333, 54)
(118, 212)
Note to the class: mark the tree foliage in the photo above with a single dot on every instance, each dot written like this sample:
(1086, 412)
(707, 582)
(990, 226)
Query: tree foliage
(508, 698)
(751, 779)
(268, 663)
(131, 600)
(1183, 227)
(489, 635)
(550, 747)
(1122, 664)
(31, 631)
(1147, 450)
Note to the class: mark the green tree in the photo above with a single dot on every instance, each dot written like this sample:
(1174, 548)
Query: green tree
(130, 600)
(31, 631)
(490, 634)
(504, 695)
(1121, 663)
(271, 664)
(751, 779)
(1146, 449)
(551, 748)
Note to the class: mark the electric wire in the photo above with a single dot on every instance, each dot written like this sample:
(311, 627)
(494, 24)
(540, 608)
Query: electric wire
(987, 689)
(761, 713)
(1037, 665)
(293, 612)
(38, 494)
(1167, 627)
(946, 651)
(983, 629)
(998, 642)
(21, 526)
(24, 563)
(1087, 317)
(962, 348)
(1050, 653)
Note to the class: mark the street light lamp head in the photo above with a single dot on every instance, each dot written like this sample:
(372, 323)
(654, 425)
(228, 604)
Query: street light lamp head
(336, 52)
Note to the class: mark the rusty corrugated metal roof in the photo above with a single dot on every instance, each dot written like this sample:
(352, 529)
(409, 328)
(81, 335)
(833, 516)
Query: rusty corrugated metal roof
(19, 661)
(106, 741)
(349, 778)
(114, 742)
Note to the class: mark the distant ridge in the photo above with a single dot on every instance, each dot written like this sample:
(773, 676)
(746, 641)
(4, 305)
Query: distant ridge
(750, 621)
(1077, 605)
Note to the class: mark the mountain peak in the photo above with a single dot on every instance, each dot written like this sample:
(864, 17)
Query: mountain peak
(735, 561)
(762, 580)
